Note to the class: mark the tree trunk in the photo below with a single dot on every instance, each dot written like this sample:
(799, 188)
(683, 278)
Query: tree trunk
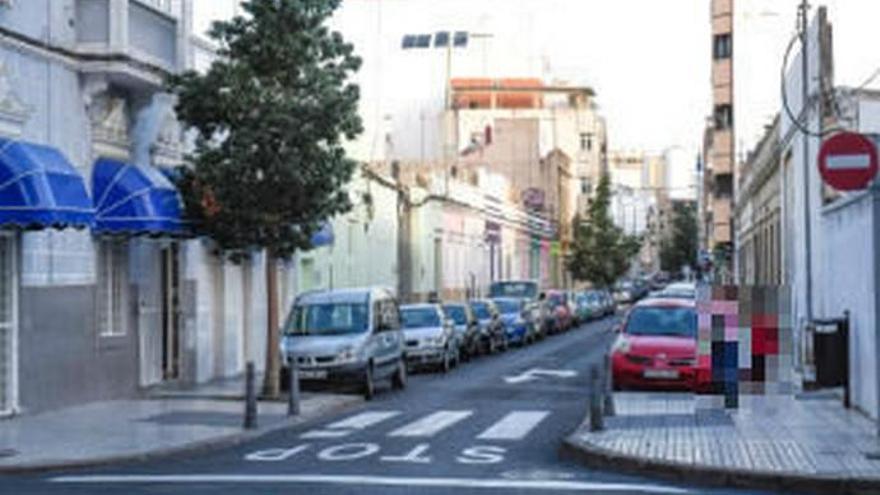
(272, 378)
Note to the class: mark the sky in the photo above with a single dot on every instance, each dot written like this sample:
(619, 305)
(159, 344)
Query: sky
(649, 61)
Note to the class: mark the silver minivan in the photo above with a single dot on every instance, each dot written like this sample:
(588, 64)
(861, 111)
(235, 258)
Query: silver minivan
(349, 336)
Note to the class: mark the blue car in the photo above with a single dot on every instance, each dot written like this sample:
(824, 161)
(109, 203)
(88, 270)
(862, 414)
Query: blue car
(515, 318)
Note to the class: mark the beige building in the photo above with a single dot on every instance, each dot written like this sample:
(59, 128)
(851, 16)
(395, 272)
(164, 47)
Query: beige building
(718, 152)
(563, 118)
(757, 214)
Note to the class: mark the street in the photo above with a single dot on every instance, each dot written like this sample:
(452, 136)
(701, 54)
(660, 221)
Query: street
(493, 424)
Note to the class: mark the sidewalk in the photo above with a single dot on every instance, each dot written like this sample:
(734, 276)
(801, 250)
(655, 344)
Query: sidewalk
(138, 429)
(808, 443)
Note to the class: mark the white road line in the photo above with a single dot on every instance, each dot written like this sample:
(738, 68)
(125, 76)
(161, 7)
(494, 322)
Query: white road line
(431, 424)
(515, 426)
(363, 420)
(326, 434)
(557, 485)
(348, 426)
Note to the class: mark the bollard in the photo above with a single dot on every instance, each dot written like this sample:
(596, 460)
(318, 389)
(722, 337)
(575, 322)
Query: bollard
(250, 398)
(293, 388)
(595, 400)
(608, 403)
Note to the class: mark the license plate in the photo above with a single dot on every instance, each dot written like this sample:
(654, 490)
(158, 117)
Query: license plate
(313, 374)
(662, 374)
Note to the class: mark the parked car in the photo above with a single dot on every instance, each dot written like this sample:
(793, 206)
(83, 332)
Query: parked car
(562, 319)
(656, 347)
(430, 336)
(585, 306)
(518, 325)
(467, 328)
(625, 292)
(348, 336)
(492, 334)
(609, 302)
(525, 289)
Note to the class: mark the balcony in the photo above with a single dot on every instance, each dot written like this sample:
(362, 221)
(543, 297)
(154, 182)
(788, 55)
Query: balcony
(142, 34)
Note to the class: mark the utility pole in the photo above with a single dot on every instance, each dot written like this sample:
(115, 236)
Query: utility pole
(803, 11)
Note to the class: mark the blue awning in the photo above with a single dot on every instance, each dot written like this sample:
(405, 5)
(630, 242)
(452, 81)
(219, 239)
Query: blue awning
(134, 200)
(39, 188)
(324, 236)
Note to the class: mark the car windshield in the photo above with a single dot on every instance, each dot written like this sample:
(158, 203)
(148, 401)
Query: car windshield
(528, 290)
(328, 319)
(507, 306)
(419, 317)
(457, 313)
(481, 310)
(556, 299)
(672, 321)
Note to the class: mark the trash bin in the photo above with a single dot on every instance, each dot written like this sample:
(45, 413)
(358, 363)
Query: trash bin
(831, 353)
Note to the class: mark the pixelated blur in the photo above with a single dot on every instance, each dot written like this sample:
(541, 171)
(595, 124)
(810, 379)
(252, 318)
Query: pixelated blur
(745, 342)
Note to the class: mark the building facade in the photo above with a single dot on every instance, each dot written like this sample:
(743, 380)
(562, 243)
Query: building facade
(719, 157)
(758, 216)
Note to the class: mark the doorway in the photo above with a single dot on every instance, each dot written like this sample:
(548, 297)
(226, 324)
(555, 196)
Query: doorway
(8, 325)
(170, 268)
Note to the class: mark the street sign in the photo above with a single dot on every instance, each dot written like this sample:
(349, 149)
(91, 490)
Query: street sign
(848, 161)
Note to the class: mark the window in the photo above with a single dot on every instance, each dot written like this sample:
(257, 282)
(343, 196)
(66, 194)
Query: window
(423, 41)
(586, 141)
(460, 40)
(441, 39)
(112, 288)
(585, 186)
(724, 185)
(409, 41)
(723, 116)
(722, 46)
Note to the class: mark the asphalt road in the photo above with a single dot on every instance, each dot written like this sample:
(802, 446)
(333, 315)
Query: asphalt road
(490, 426)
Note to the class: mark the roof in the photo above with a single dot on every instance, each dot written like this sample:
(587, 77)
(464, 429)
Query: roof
(354, 295)
(420, 306)
(665, 303)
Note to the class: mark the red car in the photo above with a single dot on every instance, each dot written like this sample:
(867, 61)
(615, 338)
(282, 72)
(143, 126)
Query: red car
(563, 318)
(657, 347)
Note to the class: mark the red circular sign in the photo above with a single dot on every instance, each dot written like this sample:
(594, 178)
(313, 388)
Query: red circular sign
(848, 161)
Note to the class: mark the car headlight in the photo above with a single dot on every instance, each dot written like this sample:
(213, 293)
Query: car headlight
(437, 340)
(346, 354)
(621, 346)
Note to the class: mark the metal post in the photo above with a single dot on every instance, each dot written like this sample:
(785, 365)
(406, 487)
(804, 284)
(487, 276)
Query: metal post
(293, 388)
(608, 403)
(250, 397)
(844, 330)
(805, 112)
(875, 247)
(595, 400)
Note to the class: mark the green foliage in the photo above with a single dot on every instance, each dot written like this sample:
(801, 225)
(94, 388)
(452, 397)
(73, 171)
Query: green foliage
(601, 252)
(679, 249)
(271, 115)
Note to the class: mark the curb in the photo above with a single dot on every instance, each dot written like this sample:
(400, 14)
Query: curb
(595, 457)
(219, 442)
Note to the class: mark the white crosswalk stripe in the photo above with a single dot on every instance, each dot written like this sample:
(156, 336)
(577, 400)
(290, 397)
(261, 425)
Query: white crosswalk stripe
(431, 424)
(514, 426)
(348, 426)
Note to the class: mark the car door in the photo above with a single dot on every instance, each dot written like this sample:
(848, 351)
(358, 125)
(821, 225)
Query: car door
(388, 335)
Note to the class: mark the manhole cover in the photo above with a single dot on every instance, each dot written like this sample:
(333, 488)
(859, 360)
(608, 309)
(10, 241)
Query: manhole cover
(8, 453)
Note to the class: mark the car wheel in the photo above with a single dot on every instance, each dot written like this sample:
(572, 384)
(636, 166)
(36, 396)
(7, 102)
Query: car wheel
(369, 384)
(284, 378)
(398, 381)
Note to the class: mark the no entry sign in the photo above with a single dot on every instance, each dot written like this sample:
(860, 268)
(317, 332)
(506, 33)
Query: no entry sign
(848, 161)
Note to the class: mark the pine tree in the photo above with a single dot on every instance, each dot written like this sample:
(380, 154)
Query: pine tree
(271, 115)
(601, 252)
